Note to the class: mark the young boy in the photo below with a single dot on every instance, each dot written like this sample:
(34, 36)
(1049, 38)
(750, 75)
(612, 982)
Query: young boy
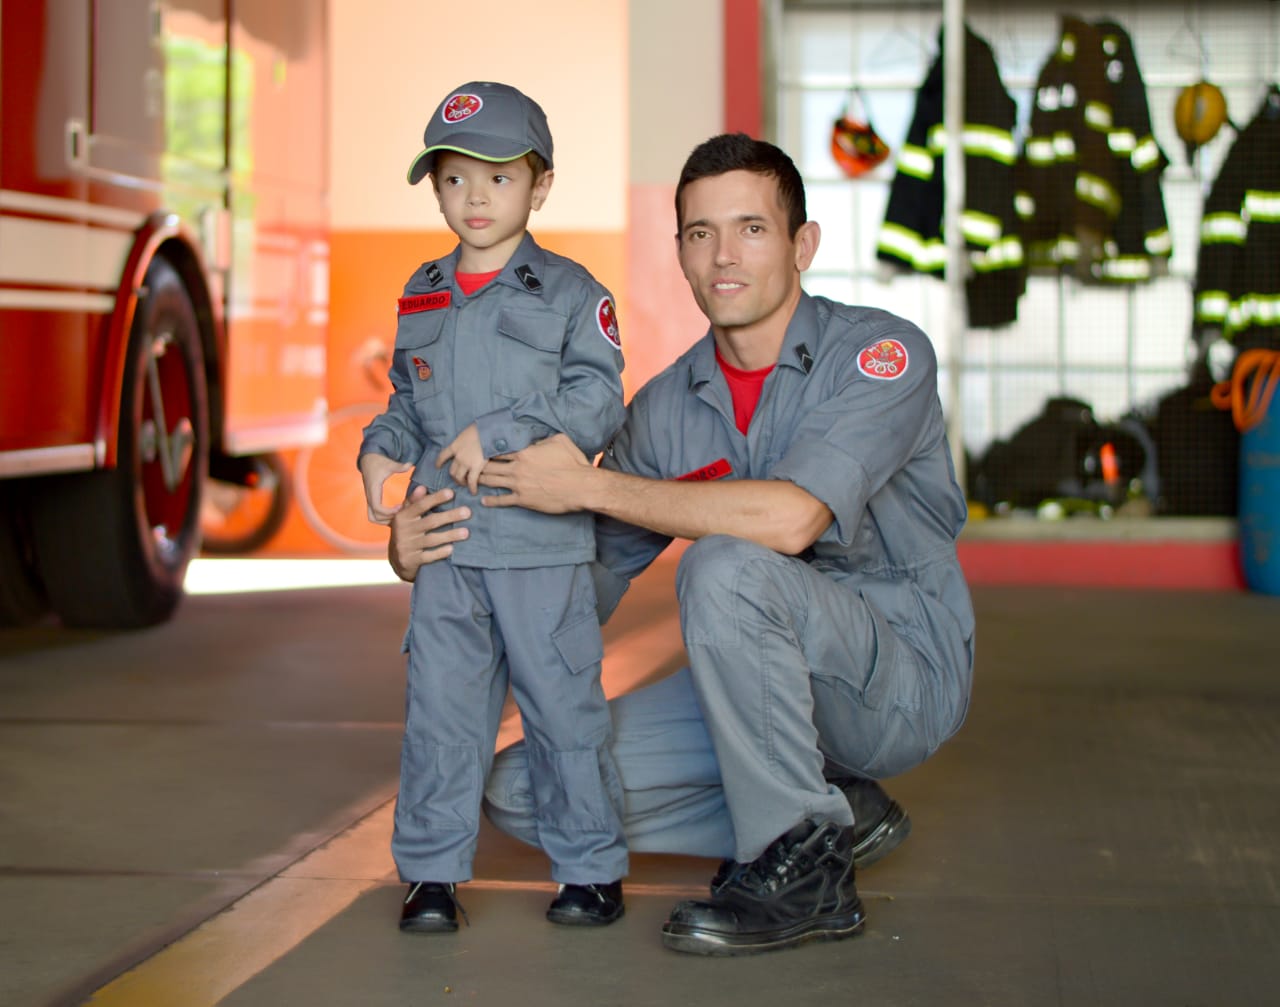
(500, 344)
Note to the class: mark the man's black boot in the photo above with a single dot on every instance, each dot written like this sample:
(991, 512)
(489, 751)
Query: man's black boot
(431, 908)
(800, 888)
(880, 823)
(587, 905)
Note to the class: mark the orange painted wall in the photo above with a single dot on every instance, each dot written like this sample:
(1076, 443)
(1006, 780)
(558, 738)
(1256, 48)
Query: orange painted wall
(663, 320)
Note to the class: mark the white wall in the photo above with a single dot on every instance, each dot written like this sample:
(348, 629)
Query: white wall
(677, 84)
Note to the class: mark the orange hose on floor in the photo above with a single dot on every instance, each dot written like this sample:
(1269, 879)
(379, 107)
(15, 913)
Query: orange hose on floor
(1248, 399)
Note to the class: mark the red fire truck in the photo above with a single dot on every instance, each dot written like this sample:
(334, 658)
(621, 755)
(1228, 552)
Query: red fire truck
(163, 283)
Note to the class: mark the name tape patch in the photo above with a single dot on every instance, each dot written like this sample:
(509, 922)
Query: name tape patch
(424, 302)
(718, 469)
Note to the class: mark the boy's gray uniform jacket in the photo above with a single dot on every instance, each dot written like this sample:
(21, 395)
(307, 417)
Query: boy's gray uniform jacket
(832, 420)
(525, 357)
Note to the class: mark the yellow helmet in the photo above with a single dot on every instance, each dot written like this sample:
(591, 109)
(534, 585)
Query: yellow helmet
(1199, 113)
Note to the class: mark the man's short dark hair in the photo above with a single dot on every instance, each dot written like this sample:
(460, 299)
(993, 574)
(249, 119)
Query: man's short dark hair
(739, 152)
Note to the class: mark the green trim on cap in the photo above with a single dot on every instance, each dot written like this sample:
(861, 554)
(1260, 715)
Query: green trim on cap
(459, 150)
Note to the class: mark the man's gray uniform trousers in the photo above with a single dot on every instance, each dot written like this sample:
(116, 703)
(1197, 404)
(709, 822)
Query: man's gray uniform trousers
(801, 670)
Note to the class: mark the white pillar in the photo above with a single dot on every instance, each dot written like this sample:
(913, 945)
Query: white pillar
(954, 189)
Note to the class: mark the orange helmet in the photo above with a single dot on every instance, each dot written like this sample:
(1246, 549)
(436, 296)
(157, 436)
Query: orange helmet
(855, 146)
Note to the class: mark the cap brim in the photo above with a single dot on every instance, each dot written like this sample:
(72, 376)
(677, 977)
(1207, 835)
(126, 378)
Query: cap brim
(422, 165)
(485, 148)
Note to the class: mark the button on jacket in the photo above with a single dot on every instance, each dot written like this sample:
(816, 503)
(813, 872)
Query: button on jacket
(532, 353)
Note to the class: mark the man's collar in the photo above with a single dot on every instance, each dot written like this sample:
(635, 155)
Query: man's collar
(799, 345)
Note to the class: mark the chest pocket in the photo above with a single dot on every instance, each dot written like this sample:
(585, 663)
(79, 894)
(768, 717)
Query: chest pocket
(527, 352)
(423, 357)
(418, 344)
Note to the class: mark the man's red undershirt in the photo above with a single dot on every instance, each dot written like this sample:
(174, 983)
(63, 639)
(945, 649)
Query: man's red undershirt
(745, 387)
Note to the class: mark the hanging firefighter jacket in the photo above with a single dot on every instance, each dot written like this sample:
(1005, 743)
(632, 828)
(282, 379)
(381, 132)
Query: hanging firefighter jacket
(1237, 289)
(1089, 181)
(1142, 244)
(911, 235)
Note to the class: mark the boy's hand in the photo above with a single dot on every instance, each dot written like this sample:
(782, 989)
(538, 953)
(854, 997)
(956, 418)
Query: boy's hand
(465, 458)
(375, 470)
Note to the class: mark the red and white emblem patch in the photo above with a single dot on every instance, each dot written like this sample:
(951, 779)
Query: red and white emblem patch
(607, 320)
(461, 106)
(884, 360)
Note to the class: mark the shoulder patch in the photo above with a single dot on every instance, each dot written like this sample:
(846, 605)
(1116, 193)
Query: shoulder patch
(526, 276)
(884, 360)
(607, 322)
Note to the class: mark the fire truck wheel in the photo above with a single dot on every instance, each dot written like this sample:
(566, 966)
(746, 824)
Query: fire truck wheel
(22, 595)
(113, 545)
(236, 519)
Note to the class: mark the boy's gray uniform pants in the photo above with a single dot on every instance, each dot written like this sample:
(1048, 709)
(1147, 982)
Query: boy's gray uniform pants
(789, 672)
(472, 630)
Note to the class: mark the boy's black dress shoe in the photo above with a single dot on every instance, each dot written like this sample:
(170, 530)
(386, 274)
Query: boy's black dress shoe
(431, 908)
(587, 905)
(800, 888)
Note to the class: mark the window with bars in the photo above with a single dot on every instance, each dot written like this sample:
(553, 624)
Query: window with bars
(1119, 347)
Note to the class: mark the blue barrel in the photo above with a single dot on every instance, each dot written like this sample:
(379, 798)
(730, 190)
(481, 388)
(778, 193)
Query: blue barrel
(1260, 502)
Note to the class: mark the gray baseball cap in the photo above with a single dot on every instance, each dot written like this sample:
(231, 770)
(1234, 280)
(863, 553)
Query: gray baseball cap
(493, 122)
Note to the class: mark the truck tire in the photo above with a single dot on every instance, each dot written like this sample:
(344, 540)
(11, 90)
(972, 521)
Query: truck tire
(22, 596)
(238, 518)
(113, 545)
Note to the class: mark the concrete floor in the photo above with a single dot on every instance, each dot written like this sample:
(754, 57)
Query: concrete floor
(199, 814)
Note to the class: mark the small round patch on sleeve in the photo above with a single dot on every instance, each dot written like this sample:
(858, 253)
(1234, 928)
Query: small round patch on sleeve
(607, 321)
(883, 360)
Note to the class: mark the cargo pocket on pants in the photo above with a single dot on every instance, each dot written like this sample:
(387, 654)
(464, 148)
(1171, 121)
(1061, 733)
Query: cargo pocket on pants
(580, 644)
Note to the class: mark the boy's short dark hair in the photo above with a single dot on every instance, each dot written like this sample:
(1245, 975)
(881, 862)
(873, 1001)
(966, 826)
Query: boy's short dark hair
(536, 162)
(739, 152)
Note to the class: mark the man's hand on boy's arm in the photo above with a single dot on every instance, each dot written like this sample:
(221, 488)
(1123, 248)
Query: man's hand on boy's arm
(465, 458)
(375, 470)
(553, 476)
(420, 534)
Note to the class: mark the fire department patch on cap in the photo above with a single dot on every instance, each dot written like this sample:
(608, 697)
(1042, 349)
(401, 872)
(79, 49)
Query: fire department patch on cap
(607, 320)
(884, 360)
(461, 106)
